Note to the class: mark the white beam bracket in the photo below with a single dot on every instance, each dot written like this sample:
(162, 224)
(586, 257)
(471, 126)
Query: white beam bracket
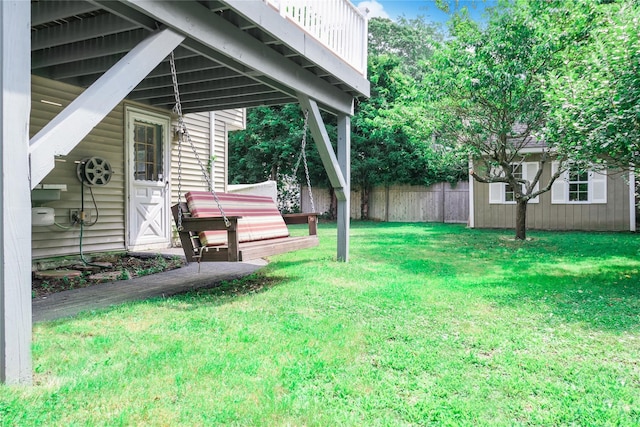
(75, 122)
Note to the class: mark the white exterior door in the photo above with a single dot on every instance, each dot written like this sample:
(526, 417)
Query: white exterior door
(148, 176)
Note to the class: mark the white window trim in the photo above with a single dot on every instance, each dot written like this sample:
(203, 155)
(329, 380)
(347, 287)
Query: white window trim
(497, 190)
(597, 188)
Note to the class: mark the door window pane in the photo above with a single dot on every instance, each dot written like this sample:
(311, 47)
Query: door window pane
(147, 148)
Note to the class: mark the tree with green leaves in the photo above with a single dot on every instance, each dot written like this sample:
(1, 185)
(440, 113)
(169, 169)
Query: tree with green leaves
(391, 135)
(269, 148)
(392, 139)
(487, 92)
(594, 96)
(412, 41)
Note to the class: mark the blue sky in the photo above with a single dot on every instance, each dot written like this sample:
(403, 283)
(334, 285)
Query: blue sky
(411, 8)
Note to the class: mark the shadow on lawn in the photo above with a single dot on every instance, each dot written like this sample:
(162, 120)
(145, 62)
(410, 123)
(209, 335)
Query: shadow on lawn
(253, 284)
(604, 301)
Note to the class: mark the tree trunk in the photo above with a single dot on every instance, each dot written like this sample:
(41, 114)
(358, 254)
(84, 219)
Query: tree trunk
(521, 219)
(364, 203)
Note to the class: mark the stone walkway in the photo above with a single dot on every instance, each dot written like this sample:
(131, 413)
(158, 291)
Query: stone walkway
(75, 301)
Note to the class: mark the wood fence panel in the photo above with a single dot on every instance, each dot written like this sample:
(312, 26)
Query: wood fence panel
(377, 204)
(404, 203)
(321, 199)
(456, 203)
(355, 204)
(434, 197)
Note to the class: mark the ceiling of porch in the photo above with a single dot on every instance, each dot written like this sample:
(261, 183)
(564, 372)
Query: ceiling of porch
(77, 41)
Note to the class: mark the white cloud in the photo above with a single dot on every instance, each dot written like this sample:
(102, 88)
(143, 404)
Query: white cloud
(372, 9)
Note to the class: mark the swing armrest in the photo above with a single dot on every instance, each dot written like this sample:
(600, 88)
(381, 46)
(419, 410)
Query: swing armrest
(303, 218)
(207, 224)
(197, 225)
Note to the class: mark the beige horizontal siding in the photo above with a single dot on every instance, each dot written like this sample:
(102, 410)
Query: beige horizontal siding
(235, 119)
(105, 141)
(612, 216)
(191, 177)
(221, 130)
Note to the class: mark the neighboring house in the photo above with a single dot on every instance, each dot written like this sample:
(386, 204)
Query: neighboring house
(597, 200)
(91, 79)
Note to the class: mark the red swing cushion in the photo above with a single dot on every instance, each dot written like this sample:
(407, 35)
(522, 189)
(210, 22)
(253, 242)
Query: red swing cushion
(260, 216)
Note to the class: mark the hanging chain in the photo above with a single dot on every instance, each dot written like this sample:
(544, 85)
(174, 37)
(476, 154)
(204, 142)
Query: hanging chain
(180, 228)
(178, 110)
(184, 133)
(303, 157)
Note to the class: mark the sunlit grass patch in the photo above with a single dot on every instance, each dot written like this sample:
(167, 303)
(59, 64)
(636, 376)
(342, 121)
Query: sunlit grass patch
(427, 324)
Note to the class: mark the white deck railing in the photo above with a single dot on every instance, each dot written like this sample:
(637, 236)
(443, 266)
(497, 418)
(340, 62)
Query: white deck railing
(337, 24)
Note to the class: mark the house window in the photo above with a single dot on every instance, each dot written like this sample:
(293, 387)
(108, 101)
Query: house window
(147, 150)
(502, 193)
(509, 192)
(579, 186)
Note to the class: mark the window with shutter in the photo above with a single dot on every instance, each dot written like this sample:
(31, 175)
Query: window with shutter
(502, 193)
(579, 186)
(598, 187)
(509, 192)
(531, 169)
(560, 187)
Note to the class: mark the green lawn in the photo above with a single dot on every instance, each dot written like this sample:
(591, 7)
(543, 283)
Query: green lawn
(428, 324)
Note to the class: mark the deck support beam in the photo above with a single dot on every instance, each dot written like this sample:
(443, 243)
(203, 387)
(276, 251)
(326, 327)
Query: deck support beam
(213, 37)
(344, 206)
(75, 122)
(338, 169)
(15, 202)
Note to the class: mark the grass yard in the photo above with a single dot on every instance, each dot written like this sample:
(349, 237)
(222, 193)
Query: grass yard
(428, 324)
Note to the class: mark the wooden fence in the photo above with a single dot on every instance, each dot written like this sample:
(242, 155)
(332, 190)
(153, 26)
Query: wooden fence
(403, 203)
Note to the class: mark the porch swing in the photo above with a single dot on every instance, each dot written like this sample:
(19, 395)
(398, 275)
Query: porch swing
(216, 227)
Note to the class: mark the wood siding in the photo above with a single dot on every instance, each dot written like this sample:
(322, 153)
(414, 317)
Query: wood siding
(612, 216)
(404, 203)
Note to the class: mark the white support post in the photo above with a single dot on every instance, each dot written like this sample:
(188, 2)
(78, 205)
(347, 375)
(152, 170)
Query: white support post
(323, 143)
(344, 206)
(69, 127)
(15, 202)
(338, 168)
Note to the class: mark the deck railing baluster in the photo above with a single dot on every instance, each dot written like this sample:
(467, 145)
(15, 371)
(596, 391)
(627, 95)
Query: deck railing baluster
(337, 24)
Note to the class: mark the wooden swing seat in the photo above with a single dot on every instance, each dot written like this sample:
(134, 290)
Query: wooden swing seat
(256, 228)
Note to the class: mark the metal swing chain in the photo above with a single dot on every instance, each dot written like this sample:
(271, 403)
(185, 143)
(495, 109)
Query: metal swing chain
(178, 110)
(303, 156)
(184, 132)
